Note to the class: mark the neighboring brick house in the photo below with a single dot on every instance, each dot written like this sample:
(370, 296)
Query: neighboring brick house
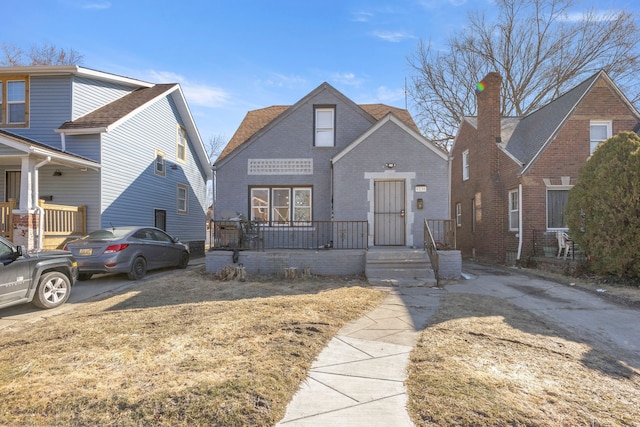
(326, 158)
(511, 176)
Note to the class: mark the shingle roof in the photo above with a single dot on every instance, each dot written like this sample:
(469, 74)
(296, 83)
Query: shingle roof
(256, 120)
(535, 129)
(116, 110)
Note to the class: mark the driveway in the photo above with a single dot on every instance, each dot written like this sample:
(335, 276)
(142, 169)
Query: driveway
(98, 287)
(607, 325)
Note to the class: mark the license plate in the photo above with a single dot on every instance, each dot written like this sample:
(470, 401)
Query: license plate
(86, 251)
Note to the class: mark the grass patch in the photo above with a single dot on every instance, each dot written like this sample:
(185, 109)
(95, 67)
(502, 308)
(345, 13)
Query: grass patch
(183, 349)
(485, 362)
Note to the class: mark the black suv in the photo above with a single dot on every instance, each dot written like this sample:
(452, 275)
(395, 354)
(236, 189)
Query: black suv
(43, 278)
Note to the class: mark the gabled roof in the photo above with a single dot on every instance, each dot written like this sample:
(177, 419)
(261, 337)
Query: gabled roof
(257, 120)
(108, 116)
(537, 129)
(390, 117)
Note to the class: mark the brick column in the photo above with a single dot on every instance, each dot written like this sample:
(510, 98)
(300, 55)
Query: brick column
(25, 229)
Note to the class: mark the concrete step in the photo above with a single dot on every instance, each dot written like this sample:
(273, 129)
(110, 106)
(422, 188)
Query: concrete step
(399, 265)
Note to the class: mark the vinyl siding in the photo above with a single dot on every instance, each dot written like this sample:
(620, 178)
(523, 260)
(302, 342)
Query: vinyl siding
(91, 94)
(49, 107)
(131, 190)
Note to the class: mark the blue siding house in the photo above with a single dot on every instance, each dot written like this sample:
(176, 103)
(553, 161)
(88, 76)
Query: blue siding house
(82, 149)
(326, 158)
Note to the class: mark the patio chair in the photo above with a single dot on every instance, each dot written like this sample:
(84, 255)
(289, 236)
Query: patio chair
(565, 244)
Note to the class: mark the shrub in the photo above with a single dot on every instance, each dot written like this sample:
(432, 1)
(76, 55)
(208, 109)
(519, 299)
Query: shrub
(603, 212)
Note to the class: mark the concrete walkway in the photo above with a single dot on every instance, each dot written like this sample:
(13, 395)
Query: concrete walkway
(358, 379)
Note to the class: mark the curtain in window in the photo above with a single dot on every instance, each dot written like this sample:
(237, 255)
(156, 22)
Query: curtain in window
(556, 201)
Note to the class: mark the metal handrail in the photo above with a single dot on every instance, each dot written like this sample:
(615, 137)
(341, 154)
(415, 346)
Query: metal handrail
(243, 234)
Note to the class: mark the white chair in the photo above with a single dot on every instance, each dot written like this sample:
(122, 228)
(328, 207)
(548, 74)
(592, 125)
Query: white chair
(565, 244)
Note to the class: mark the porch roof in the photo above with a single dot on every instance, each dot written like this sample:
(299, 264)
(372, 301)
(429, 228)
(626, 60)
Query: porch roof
(27, 146)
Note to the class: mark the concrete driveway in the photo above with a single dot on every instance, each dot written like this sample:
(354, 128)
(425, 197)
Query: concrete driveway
(98, 287)
(593, 319)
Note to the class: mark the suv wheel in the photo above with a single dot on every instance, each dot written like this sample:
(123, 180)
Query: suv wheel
(53, 290)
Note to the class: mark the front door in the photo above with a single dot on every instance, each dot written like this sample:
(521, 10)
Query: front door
(389, 213)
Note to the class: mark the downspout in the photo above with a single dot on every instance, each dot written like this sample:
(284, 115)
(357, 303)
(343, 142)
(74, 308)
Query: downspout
(36, 196)
(520, 226)
(63, 142)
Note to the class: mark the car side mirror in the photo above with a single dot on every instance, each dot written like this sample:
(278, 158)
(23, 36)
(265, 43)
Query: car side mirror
(21, 250)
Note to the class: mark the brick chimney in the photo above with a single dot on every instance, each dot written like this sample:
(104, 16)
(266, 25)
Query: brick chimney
(488, 99)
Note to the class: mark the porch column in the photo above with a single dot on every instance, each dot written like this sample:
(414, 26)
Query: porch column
(26, 218)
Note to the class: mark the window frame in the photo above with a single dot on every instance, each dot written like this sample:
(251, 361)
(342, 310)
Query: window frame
(181, 143)
(555, 188)
(182, 203)
(271, 209)
(465, 165)
(458, 214)
(318, 130)
(163, 171)
(593, 143)
(514, 212)
(6, 103)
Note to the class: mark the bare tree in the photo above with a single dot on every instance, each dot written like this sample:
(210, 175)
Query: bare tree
(215, 146)
(44, 54)
(539, 49)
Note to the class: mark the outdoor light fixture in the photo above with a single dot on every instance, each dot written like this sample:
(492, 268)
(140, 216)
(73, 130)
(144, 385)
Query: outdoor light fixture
(57, 173)
(390, 165)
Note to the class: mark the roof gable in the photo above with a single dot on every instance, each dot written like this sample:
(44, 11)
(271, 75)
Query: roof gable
(256, 122)
(390, 117)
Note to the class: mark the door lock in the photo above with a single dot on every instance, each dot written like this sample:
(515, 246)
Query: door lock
(402, 213)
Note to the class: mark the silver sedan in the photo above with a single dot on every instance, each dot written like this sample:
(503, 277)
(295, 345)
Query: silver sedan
(130, 250)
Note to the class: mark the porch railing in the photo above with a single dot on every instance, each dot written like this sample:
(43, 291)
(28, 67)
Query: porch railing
(255, 235)
(62, 222)
(439, 234)
(546, 245)
(6, 218)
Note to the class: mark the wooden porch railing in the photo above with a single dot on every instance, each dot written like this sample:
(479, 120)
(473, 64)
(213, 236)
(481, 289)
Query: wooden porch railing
(6, 218)
(61, 223)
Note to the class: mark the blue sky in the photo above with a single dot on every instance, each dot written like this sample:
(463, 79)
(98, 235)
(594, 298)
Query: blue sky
(233, 56)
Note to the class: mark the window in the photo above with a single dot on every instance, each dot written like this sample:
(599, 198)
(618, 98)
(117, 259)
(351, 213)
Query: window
(159, 164)
(465, 165)
(556, 201)
(281, 205)
(13, 101)
(599, 131)
(514, 210)
(324, 127)
(183, 199)
(181, 152)
(459, 214)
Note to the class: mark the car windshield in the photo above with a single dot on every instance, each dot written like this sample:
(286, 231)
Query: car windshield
(107, 234)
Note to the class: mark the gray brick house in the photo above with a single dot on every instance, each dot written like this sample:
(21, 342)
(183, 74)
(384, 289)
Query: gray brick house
(326, 158)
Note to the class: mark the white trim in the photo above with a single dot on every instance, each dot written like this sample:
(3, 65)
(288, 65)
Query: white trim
(390, 117)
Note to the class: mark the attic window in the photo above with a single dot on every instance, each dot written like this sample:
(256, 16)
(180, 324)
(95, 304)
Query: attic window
(324, 127)
(181, 151)
(599, 131)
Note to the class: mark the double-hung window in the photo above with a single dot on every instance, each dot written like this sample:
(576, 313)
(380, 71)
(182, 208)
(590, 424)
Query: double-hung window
(465, 165)
(599, 130)
(183, 199)
(458, 214)
(181, 150)
(159, 164)
(324, 127)
(13, 101)
(281, 205)
(514, 210)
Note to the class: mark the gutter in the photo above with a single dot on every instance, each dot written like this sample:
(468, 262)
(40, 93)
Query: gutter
(36, 196)
(520, 226)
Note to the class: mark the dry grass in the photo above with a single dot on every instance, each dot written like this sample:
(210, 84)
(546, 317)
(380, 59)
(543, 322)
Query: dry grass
(183, 349)
(484, 362)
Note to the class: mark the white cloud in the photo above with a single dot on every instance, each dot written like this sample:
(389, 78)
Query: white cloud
(595, 15)
(387, 95)
(196, 93)
(393, 36)
(283, 81)
(362, 16)
(348, 79)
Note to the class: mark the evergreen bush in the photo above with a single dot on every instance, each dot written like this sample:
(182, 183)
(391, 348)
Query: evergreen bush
(603, 212)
